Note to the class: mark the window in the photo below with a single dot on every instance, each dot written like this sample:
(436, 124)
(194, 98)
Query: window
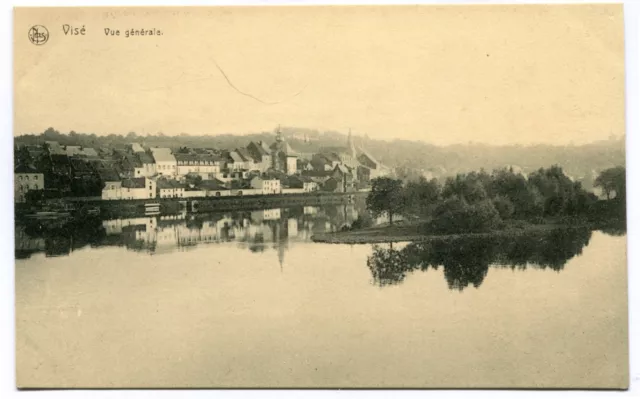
(35, 177)
(26, 177)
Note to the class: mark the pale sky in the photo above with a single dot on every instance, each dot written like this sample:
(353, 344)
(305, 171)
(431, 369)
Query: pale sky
(441, 74)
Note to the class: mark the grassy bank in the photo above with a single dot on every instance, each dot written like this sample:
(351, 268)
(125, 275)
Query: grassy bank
(409, 231)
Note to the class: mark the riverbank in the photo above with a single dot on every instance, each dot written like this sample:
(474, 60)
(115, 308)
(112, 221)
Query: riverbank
(402, 232)
(134, 207)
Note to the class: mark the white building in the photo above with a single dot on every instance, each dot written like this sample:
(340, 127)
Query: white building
(148, 164)
(138, 188)
(112, 184)
(267, 186)
(27, 178)
(170, 189)
(203, 165)
(166, 164)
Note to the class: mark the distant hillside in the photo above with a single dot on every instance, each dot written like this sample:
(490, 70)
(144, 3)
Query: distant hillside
(581, 162)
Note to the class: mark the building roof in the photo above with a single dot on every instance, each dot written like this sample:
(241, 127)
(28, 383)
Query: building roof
(26, 168)
(108, 174)
(182, 157)
(130, 161)
(214, 184)
(245, 154)
(343, 169)
(316, 173)
(171, 184)
(283, 146)
(72, 150)
(55, 148)
(145, 158)
(235, 156)
(90, 152)
(80, 165)
(135, 147)
(331, 156)
(163, 155)
(259, 148)
(135, 182)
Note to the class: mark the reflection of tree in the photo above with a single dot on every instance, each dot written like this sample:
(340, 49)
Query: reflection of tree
(466, 260)
(388, 266)
(615, 231)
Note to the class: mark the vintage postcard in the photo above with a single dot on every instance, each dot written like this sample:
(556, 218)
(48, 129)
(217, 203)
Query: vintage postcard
(320, 197)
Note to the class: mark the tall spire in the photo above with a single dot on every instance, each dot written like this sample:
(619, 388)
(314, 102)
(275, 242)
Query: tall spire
(350, 144)
(278, 134)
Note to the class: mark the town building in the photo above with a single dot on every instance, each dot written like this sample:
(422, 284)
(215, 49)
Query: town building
(344, 177)
(284, 159)
(261, 155)
(54, 148)
(27, 178)
(318, 176)
(147, 163)
(112, 189)
(266, 185)
(135, 148)
(138, 188)
(204, 165)
(130, 165)
(170, 188)
(166, 164)
(376, 169)
(75, 150)
(306, 183)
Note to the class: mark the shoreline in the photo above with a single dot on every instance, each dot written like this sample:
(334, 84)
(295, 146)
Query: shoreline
(390, 234)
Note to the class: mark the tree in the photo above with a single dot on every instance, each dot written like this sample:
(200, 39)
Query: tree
(469, 188)
(421, 196)
(386, 196)
(193, 180)
(504, 207)
(612, 181)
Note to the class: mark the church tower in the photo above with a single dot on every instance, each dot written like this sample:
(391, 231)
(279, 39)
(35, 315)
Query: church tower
(351, 146)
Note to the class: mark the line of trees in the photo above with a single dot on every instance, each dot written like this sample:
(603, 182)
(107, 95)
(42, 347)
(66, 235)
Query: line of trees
(481, 201)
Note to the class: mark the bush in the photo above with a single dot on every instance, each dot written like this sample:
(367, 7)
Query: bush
(363, 221)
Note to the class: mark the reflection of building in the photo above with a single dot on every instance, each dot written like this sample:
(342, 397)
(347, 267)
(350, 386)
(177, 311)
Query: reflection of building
(310, 210)
(258, 231)
(292, 227)
(265, 214)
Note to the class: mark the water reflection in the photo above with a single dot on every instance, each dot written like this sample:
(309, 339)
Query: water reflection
(256, 230)
(466, 261)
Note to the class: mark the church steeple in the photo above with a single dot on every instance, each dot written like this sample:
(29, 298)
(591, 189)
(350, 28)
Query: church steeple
(350, 145)
(278, 135)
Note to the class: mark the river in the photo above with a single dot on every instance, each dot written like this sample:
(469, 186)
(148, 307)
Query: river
(246, 299)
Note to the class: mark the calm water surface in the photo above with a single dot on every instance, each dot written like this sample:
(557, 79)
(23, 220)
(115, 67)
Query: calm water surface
(246, 299)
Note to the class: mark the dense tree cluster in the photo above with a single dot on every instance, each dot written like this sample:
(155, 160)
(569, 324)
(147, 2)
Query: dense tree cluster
(481, 201)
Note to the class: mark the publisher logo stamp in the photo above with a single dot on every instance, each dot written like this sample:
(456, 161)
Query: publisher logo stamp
(38, 35)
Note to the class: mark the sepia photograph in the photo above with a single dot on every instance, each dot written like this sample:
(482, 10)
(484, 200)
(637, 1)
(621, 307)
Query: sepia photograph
(424, 196)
